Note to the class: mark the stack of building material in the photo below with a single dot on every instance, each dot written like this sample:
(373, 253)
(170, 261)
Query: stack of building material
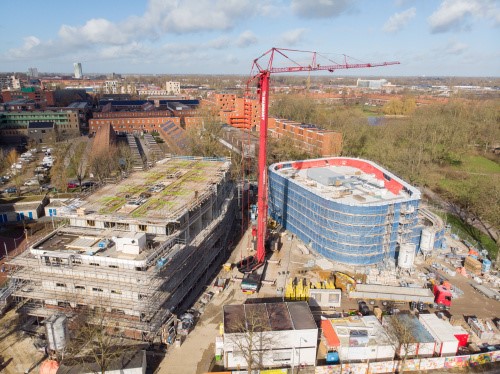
(472, 265)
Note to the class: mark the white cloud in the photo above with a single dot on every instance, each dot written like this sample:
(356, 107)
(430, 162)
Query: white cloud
(246, 39)
(130, 50)
(292, 37)
(397, 21)
(198, 15)
(161, 17)
(456, 14)
(100, 31)
(320, 8)
(220, 43)
(455, 48)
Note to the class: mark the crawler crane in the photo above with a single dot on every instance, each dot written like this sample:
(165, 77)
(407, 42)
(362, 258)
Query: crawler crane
(261, 71)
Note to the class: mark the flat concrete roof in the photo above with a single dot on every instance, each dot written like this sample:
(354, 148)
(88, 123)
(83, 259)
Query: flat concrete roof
(160, 193)
(268, 317)
(347, 180)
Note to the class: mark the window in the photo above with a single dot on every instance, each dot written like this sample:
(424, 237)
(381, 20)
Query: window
(143, 227)
(96, 289)
(282, 355)
(113, 266)
(93, 264)
(60, 284)
(116, 292)
(91, 223)
(79, 288)
(109, 224)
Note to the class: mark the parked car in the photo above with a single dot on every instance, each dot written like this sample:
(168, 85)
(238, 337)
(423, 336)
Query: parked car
(31, 182)
(72, 185)
(88, 184)
(10, 190)
(363, 308)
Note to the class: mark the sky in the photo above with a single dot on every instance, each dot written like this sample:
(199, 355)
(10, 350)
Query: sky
(427, 37)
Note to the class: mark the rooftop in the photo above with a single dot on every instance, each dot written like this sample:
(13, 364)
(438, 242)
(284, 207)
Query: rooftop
(347, 180)
(376, 334)
(160, 194)
(268, 317)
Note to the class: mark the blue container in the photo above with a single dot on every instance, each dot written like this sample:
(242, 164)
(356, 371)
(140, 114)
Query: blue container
(332, 358)
(486, 266)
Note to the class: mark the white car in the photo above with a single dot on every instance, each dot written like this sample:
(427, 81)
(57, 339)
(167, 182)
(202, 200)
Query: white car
(31, 182)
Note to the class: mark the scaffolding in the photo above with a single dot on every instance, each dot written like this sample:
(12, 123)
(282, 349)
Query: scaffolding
(139, 292)
(356, 221)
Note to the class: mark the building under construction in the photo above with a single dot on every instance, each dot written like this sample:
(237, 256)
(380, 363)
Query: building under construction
(348, 210)
(135, 251)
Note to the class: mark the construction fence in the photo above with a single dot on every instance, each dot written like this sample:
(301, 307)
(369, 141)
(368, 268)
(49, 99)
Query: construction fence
(432, 363)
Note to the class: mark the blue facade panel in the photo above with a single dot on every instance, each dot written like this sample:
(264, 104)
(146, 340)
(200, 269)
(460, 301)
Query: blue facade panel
(351, 234)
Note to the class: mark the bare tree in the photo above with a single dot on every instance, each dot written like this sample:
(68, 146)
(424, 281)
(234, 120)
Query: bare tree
(203, 140)
(12, 158)
(59, 171)
(94, 343)
(253, 339)
(104, 164)
(401, 330)
(126, 157)
(78, 162)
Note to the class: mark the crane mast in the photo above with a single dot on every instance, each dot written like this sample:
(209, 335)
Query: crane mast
(262, 75)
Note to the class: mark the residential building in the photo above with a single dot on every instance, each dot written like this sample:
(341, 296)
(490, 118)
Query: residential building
(134, 251)
(42, 132)
(348, 210)
(173, 88)
(19, 209)
(308, 137)
(238, 112)
(66, 122)
(132, 124)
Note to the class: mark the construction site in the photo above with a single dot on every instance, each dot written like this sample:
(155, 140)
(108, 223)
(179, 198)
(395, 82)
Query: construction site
(135, 251)
(348, 210)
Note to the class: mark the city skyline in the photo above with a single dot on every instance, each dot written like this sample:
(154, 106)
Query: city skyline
(431, 38)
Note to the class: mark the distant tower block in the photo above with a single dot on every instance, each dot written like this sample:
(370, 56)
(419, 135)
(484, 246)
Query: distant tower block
(77, 70)
(406, 255)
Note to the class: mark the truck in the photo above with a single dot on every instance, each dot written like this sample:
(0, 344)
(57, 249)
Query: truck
(442, 295)
(251, 281)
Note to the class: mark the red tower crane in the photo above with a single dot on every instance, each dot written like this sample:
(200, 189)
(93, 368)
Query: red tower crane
(262, 68)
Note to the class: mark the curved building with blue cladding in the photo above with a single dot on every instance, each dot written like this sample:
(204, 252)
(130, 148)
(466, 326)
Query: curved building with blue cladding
(347, 209)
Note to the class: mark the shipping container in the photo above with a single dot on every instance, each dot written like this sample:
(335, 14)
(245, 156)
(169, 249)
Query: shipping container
(443, 334)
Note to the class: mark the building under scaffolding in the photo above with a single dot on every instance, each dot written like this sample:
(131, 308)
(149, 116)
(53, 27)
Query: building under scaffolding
(349, 210)
(135, 251)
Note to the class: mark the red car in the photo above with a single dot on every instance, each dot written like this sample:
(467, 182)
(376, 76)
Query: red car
(72, 185)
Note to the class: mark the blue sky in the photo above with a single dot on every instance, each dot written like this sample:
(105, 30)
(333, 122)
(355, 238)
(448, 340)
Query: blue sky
(428, 37)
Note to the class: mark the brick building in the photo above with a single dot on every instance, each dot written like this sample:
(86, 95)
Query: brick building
(66, 122)
(132, 123)
(104, 138)
(307, 136)
(41, 98)
(237, 111)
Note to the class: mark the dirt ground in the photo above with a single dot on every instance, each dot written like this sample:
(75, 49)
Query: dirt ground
(16, 348)
(196, 354)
